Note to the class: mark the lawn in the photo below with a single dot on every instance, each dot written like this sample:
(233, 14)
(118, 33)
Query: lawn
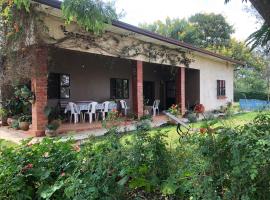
(172, 136)
(5, 144)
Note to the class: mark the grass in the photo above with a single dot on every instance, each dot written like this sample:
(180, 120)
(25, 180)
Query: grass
(173, 137)
(6, 144)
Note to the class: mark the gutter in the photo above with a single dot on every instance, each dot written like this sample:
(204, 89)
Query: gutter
(57, 4)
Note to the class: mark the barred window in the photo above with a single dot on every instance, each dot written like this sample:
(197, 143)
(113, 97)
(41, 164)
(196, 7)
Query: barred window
(221, 88)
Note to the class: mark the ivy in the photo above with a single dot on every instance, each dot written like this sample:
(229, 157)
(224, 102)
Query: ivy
(92, 15)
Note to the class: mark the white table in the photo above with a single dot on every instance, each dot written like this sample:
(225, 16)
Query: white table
(83, 106)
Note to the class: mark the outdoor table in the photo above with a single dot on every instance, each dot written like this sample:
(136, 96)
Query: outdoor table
(83, 106)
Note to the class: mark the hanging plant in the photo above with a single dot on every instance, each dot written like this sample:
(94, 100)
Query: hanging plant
(92, 15)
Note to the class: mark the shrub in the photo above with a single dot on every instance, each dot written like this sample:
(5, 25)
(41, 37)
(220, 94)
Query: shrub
(213, 163)
(36, 171)
(191, 116)
(250, 95)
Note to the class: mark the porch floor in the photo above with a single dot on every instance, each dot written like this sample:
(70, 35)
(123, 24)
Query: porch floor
(79, 127)
(78, 132)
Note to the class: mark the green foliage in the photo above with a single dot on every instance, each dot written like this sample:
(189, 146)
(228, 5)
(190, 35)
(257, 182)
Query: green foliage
(216, 163)
(89, 14)
(3, 113)
(202, 30)
(36, 171)
(25, 118)
(20, 102)
(260, 37)
(249, 95)
(192, 118)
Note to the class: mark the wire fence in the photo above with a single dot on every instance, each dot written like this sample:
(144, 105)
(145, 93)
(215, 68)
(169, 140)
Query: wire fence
(254, 104)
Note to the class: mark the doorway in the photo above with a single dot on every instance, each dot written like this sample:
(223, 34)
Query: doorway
(170, 93)
(149, 92)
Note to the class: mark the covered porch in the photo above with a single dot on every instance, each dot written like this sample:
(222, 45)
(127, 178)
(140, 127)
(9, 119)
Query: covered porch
(74, 76)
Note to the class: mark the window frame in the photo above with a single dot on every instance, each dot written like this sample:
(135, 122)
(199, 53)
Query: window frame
(113, 91)
(64, 86)
(59, 85)
(221, 89)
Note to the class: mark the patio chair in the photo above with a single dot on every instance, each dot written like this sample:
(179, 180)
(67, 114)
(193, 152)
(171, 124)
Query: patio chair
(74, 111)
(155, 107)
(105, 109)
(124, 106)
(91, 111)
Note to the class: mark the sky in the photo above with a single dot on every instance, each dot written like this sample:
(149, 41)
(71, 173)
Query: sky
(140, 11)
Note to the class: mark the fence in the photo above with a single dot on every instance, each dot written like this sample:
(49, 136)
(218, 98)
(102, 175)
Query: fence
(254, 104)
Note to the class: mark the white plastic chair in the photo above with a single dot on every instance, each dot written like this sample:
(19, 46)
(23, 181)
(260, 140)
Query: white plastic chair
(124, 106)
(74, 112)
(105, 109)
(155, 107)
(91, 111)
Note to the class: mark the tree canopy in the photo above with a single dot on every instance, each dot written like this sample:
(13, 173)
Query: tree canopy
(201, 30)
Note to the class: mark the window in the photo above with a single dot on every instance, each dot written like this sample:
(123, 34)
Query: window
(221, 88)
(119, 88)
(58, 86)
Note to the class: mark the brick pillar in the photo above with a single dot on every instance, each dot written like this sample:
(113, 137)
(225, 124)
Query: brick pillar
(137, 89)
(180, 89)
(39, 87)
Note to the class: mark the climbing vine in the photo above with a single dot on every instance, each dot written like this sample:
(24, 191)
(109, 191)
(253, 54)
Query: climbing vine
(23, 31)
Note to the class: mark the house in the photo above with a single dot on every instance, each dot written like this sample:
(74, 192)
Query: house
(125, 62)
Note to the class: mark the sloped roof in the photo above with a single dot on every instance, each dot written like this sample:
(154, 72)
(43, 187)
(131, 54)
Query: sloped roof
(128, 27)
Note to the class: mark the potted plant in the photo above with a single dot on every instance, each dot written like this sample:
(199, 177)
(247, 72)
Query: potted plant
(174, 110)
(51, 129)
(199, 109)
(3, 116)
(24, 122)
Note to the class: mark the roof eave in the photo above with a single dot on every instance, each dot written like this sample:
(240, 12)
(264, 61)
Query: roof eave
(119, 24)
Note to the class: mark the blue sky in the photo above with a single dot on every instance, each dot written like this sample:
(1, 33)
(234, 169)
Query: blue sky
(139, 11)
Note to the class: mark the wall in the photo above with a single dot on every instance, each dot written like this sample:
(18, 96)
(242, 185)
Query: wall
(210, 72)
(192, 87)
(90, 74)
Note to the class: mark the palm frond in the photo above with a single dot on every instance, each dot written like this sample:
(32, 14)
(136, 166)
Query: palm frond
(259, 38)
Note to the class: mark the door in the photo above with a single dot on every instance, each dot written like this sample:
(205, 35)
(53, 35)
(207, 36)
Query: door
(149, 92)
(170, 93)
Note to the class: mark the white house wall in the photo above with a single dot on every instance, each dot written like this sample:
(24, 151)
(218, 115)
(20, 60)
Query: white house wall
(210, 72)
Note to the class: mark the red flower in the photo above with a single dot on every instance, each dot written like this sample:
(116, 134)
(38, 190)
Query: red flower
(63, 174)
(27, 167)
(203, 130)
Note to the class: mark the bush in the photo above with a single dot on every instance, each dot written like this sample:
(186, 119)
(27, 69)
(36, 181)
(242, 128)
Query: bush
(216, 163)
(192, 118)
(36, 171)
(249, 95)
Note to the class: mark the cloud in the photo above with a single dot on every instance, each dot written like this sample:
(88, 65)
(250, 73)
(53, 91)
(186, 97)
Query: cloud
(140, 11)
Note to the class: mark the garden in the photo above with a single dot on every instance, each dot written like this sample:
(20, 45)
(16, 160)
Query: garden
(221, 159)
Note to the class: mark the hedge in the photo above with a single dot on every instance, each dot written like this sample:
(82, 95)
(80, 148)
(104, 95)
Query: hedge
(249, 95)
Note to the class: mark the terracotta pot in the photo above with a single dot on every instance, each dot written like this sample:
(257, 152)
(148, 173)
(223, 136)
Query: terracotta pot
(50, 133)
(24, 126)
(4, 121)
(10, 121)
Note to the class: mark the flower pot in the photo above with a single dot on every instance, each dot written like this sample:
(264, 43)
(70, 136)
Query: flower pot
(24, 126)
(4, 121)
(50, 133)
(10, 121)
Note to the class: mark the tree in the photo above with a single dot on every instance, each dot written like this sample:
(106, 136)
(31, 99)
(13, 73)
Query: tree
(212, 29)
(201, 30)
(179, 29)
(260, 37)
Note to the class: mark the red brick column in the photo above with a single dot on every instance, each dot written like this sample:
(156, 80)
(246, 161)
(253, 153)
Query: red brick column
(180, 89)
(137, 89)
(39, 87)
